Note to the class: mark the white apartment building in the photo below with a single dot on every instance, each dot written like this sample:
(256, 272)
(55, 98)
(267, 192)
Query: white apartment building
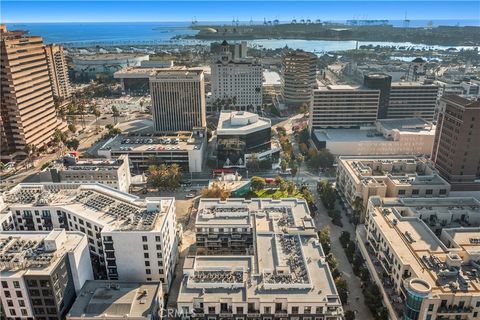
(412, 100)
(178, 99)
(133, 239)
(42, 272)
(426, 251)
(343, 106)
(399, 176)
(239, 80)
(413, 136)
(113, 173)
(276, 268)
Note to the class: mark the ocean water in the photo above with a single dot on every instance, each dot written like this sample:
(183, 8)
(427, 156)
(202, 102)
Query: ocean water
(138, 33)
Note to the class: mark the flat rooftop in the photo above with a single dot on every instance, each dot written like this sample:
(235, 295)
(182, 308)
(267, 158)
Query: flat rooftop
(271, 78)
(116, 299)
(399, 170)
(241, 122)
(414, 222)
(288, 260)
(362, 135)
(265, 214)
(404, 124)
(399, 84)
(115, 210)
(154, 142)
(24, 252)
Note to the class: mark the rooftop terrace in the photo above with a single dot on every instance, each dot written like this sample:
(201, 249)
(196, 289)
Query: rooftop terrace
(117, 210)
(26, 251)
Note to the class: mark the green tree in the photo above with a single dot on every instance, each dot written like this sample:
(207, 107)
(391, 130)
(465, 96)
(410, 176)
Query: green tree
(342, 289)
(324, 239)
(30, 150)
(115, 113)
(327, 194)
(358, 209)
(258, 183)
(72, 128)
(332, 262)
(72, 144)
(349, 315)
(283, 165)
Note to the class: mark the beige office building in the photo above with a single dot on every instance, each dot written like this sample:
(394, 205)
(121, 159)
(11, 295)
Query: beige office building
(394, 176)
(298, 76)
(424, 255)
(57, 67)
(178, 99)
(412, 100)
(27, 110)
(343, 106)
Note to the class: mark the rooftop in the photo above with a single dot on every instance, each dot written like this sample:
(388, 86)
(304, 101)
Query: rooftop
(404, 124)
(398, 170)
(116, 299)
(241, 122)
(115, 210)
(445, 265)
(154, 142)
(26, 252)
(287, 261)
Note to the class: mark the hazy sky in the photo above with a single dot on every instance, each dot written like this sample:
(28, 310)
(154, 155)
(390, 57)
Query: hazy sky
(158, 11)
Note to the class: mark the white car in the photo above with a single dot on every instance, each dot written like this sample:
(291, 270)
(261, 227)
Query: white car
(190, 195)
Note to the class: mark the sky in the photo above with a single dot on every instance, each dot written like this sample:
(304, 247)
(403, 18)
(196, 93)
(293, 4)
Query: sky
(17, 11)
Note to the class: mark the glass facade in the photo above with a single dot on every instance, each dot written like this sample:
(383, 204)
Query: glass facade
(234, 147)
(416, 292)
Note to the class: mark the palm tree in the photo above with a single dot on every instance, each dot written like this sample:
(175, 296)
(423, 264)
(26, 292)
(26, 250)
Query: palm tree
(358, 207)
(97, 114)
(116, 114)
(30, 150)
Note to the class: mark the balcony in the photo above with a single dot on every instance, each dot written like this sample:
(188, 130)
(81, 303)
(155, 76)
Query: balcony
(454, 310)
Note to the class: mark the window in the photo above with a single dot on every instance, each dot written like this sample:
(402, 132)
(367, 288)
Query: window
(145, 247)
(295, 310)
(319, 310)
(147, 271)
(307, 310)
(239, 310)
(401, 192)
(19, 294)
(10, 303)
(415, 192)
(430, 307)
(443, 191)
(16, 284)
(157, 238)
(21, 303)
(144, 238)
(429, 191)
(145, 255)
(147, 263)
(5, 284)
(159, 247)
